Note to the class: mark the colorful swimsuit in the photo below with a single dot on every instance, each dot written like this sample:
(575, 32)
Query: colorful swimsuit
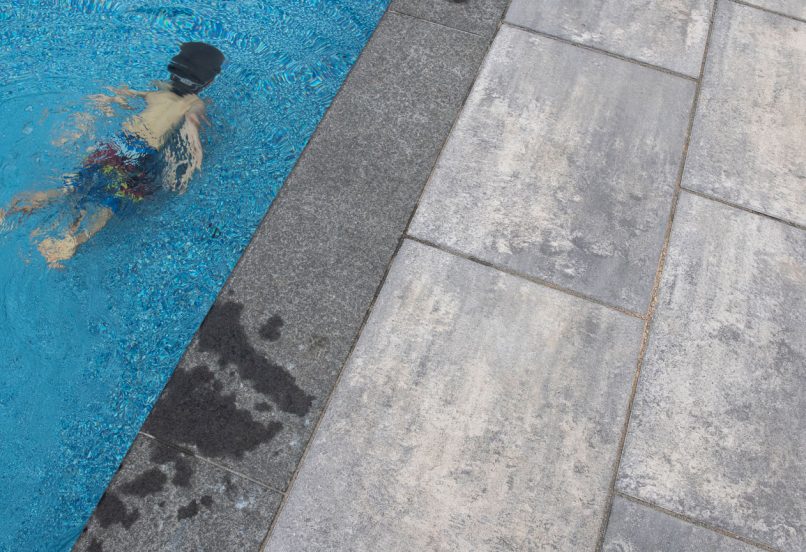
(119, 170)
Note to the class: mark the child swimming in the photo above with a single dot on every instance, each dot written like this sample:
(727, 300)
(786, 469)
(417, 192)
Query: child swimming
(130, 166)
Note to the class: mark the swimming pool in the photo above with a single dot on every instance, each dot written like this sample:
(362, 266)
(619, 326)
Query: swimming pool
(87, 349)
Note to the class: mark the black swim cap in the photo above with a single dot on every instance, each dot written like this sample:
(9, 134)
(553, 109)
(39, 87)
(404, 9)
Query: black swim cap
(194, 67)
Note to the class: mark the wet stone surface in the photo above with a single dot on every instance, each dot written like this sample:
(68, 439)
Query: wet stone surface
(163, 499)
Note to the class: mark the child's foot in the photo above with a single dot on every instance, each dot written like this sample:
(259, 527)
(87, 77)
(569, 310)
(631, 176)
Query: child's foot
(57, 250)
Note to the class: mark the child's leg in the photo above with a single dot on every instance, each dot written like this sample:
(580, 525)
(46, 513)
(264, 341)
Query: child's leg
(28, 202)
(62, 249)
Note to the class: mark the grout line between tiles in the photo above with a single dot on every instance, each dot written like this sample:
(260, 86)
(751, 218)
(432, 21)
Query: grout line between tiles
(404, 14)
(208, 461)
(656, 286)
(381, 284)
(767, 10)
(601, 51)
(524, 276)
(696, 522)
(742, 208)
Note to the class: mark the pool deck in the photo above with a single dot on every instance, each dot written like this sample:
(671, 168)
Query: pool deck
(538, 282)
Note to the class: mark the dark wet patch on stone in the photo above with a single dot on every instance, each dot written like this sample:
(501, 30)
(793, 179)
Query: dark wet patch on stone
(193, 410)
(147, 483)
(263, 407)
(182, 473)
(207, 501)
(222, 333)
(188, 511)
(111, 510)
(96, 546)
(271, 329)
(183, 470)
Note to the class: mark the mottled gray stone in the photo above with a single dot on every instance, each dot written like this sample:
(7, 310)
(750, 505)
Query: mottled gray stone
(252, 385)
(718, 430)
(475, 16)
(167, 501)
(667, 33)
(636, 528)
(562, 166)
(478, 411)
(795, 8)
(747, 143)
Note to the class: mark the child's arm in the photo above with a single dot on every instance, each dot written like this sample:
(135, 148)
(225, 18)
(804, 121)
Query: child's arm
(120, 97)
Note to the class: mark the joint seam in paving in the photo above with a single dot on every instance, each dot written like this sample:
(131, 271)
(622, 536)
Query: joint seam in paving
(656, 287)
(696, 522)
(523, 276)
(768, 10)
(437, 23)
(208, 461)
(601, 51)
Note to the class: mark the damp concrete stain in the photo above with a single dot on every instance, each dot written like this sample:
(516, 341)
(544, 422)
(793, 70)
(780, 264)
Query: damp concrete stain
(188, 511)
(263, 407)
(194, 411)
(271, 329)
(147, 483)
(223, 334)
(207, 501)
(95, 546)
(111, 510)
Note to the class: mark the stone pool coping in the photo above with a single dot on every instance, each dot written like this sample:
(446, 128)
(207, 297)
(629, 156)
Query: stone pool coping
(211, 464)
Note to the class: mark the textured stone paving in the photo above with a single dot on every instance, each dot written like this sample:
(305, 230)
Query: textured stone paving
(594, 338)
(562, 310)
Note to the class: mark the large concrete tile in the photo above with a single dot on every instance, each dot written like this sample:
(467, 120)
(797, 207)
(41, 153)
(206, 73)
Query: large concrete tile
(252, 385)
(795, 8)
(477, 412)
(747, 143)
(475, 16)
(718, 430)
(636, 528)
(562, 166)
(667, 33)
(163, 500)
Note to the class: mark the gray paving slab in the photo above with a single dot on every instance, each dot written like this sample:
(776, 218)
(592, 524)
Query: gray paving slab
(794, 8)
(252, 385)
(163, 500)
(479, 411)
(667, 33)
(475, 16)
(718, 429)
(562, 166)
(636, 528)
(747, 143)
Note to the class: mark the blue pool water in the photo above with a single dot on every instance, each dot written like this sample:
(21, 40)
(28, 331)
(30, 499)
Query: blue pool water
(86, 350)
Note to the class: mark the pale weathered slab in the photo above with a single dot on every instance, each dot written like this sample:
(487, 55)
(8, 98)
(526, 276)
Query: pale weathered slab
(478, 411)
(718, 429)
(562, 166)
(748, 143)
(667, 33)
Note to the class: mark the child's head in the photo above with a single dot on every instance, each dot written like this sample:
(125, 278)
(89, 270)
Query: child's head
(194, 67)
